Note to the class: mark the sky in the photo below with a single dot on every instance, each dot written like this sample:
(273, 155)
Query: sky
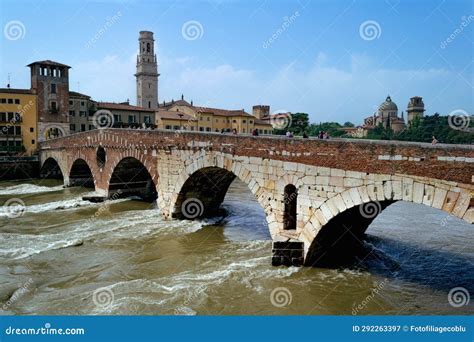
(336, 60)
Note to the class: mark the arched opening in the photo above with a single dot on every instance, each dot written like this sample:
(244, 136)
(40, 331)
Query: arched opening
(51, 169)
(81, 174)
(341, 239)
(202, 193)
(101, 156)
(53, 132)
(131, 178)
(289, 216)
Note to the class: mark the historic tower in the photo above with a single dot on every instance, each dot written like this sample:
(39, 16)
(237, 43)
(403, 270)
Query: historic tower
(50, 81)
(147, 72)
(415, 108)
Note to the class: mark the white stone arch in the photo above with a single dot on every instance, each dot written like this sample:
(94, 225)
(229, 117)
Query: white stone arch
(450, 197)
(56, 156)
(199, 161)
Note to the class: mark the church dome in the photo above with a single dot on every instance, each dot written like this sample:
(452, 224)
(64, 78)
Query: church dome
(388, 105)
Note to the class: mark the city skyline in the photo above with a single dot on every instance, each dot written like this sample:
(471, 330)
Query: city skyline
(260, 55)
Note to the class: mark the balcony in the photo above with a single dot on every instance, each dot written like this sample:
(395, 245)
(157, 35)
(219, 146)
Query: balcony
(53, 110)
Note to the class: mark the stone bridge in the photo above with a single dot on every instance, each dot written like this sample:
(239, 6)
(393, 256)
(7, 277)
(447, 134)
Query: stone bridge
(312, 191)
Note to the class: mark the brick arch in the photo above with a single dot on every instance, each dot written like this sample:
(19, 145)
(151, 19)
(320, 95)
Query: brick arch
(446, 196)
(61, 163)
(90, 164)
(236, 168)
(114, 157)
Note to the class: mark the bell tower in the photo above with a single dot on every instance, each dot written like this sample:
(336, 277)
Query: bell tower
(147, 72)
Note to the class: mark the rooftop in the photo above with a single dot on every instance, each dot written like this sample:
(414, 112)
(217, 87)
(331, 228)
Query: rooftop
(50, 63)
(123, 106)
(176, 115)
(16, 91)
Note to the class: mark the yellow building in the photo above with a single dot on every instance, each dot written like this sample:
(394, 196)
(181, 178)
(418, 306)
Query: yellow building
(183, 115)
(18, 121)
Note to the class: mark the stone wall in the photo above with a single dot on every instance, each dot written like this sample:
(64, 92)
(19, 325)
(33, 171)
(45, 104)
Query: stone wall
(331, 177)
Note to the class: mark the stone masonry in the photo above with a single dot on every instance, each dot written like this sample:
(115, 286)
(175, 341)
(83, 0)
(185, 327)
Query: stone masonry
(331, 176)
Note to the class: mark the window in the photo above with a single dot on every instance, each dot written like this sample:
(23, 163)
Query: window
(82, 113)
(251, 121)
(71, 102)
(192, 128)
(208, 119)
(83, 103)
(10, 101)
(54, 106)
(3, 100)
(72, 127)
(217, 120)
(53, 88)
(91, 127)
(117, 118)
(83, 127)
(33, 141)
(32, 129)
(132, 119)
(147, 119)
(176, 128)
(149, 104)
(72, 113)
(3, 117)
(168, 127)
(289, 215)
(244, 121)
(201, 129)
(208, 129)
(234, 121)
(17, 101)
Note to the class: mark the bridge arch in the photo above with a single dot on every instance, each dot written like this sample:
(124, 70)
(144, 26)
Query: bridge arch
(201, 188)
(51, 167)
(130, 176)
(81, 174)
(344, 218)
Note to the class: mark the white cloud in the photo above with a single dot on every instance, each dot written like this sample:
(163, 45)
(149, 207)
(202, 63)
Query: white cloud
(325, 92)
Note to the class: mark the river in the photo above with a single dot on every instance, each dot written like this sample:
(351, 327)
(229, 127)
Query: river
(65, 256)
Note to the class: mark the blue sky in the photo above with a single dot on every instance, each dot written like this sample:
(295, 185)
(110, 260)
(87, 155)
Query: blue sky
(308, 56)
